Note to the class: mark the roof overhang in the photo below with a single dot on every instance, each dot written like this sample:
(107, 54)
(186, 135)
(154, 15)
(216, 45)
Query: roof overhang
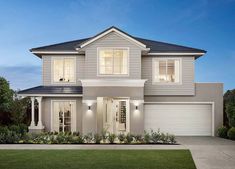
(51, 95)
(113, 29)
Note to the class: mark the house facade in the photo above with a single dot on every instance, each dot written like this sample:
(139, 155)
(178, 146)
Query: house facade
(122, 83)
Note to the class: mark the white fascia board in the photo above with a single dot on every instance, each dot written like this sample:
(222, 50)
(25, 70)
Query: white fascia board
(162, 54)
(118, 82)
(117, 31)
(54, 52)
(50, 95)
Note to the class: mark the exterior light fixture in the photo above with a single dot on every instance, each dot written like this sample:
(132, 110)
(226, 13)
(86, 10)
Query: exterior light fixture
(136, 107)
(89, 107)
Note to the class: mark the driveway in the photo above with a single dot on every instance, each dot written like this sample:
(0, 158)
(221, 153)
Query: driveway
(210, 152)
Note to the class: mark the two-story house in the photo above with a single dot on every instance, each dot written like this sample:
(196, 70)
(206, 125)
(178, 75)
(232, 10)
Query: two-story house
(123, 83)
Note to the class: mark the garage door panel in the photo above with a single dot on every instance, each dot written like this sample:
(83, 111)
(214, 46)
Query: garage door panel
(179, 119)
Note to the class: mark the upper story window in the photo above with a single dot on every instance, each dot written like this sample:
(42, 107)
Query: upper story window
(166, 70)
(64, 70)
(113, 61)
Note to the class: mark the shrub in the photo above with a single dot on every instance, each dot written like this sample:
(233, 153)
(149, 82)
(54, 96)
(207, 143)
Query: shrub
(231, 133)
(138, 138)
(88, 137)
(164, 138)
(147, 137)
(97, 138)
(121, 137)
(104, 135)
(128, 139)
(222, 132)
(155, 137)
(230, 110)
(172, 139)
(111, 138)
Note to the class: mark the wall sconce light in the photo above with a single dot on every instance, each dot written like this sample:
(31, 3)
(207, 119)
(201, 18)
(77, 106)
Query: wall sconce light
(89, 107)
(136, 107)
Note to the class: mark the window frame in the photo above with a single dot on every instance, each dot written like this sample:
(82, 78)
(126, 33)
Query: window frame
(112, 75)
(154, 82)
(52, 69)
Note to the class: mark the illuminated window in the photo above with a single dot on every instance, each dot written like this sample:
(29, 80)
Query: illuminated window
(113, 61)
(64, 70)
(166, 70)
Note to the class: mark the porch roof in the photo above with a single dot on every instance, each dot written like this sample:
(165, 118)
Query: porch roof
(52, 90)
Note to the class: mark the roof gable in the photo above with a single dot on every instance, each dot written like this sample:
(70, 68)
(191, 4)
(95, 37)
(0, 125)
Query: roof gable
(106, 32)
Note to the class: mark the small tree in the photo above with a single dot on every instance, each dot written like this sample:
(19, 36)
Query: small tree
(6, 99)
(18, 110)
(230, 111)
(229, 103)
(6, 95)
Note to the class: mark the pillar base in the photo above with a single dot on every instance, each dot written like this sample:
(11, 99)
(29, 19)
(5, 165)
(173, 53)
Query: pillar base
(36, 129)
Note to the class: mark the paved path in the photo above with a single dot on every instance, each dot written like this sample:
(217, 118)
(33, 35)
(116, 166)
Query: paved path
(210, 152)
(91, 146)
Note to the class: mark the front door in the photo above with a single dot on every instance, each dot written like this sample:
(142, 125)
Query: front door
(64, 116)
(116, 115)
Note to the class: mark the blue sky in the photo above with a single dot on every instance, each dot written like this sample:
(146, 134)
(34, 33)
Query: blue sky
(205, 24)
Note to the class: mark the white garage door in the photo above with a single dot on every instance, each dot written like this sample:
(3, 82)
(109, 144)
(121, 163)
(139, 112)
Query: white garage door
(179, 119)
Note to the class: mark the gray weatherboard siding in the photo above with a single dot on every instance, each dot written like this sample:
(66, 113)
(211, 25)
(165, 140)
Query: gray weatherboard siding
(112, 40)
(186, 88)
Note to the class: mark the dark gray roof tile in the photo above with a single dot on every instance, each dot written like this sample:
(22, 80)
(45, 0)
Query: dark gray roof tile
(53, 90)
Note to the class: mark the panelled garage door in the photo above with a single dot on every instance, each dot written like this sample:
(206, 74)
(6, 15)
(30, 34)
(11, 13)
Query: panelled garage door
(179, 119)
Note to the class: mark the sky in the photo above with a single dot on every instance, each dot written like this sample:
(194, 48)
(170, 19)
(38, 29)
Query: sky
(203, 24)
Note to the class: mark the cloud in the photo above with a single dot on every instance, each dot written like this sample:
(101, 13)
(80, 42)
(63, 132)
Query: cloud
(21, 77)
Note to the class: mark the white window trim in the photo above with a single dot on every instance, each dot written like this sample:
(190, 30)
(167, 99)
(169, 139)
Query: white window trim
(52, 70)
(52, 112)
(166, 83)
(113, 75)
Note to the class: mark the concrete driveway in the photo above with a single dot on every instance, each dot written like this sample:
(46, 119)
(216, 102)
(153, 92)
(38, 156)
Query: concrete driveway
(210, 152)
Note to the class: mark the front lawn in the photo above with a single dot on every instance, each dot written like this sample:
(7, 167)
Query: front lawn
(96, 159)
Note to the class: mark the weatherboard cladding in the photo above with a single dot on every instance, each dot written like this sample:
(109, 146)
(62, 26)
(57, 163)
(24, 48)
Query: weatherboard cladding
(53, 90)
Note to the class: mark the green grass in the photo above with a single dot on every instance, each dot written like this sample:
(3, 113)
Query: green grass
(96, 159)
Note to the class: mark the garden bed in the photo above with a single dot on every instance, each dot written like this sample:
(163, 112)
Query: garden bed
(18, 135)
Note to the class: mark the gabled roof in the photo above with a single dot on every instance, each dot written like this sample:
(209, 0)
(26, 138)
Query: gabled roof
(107, 31)
(155, 47)
(73, 90)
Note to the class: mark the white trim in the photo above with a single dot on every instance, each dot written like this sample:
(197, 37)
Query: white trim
(54, 52)
(52, 95)
(89, 101)
(135, 101)
(113, 82)
(212, 111)
(52, 109)
(52, 70)
(167, 83)
(113, 30)
(162, 54)
(113, 75)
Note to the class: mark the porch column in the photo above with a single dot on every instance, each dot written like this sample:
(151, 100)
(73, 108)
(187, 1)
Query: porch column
(39, 125)
(32, 112)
